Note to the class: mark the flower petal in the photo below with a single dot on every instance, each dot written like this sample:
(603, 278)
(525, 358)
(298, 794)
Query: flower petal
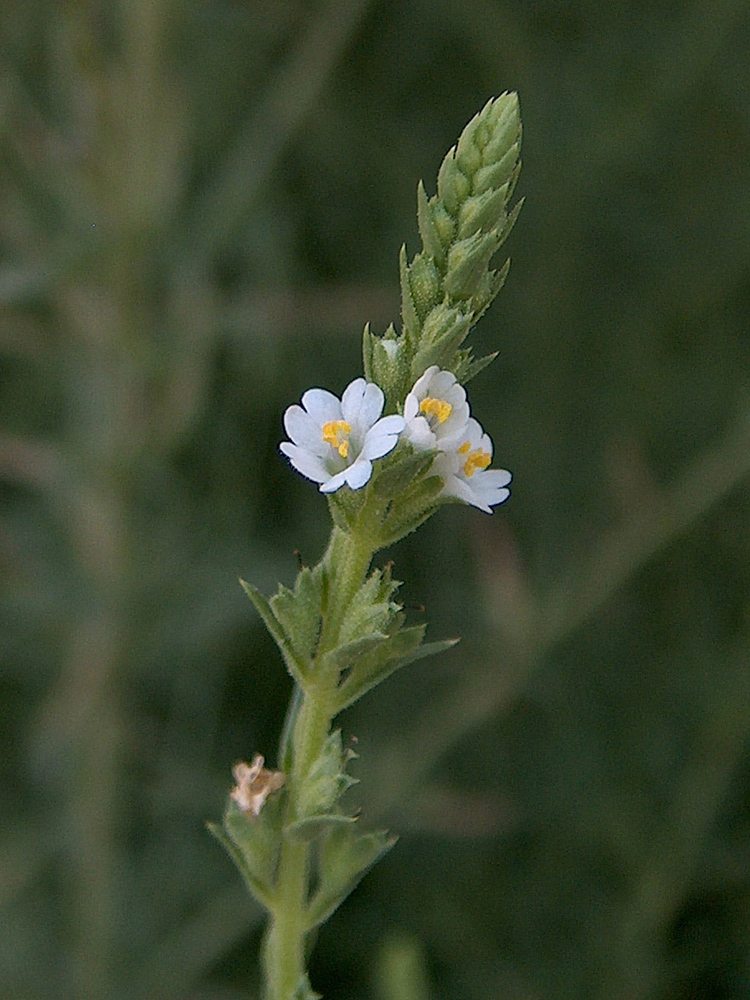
(362, 404)
(311, 466)
(305, 431)
(322, 405)
(359, 473)
(382, 437)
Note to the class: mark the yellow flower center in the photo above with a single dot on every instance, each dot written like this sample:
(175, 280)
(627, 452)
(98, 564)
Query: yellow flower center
(437, 408)
(335, 433)
(477, 459)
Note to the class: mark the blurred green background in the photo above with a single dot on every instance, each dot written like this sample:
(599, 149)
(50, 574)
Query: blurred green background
(200, 205)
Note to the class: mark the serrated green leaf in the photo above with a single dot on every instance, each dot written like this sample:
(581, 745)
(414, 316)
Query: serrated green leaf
(465, 372)
(299, 613)
(312, 827)
(369, 611)
(351, 692)
(326, 780)
(257, 889)
(344, 858)
(282, 640)
(253, 844)
(343, 656)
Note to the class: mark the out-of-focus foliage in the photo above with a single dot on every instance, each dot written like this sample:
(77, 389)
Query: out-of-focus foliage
(200, 205)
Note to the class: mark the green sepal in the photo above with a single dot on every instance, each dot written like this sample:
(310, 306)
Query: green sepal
(345, 506)
(345, 855)
(397, 476)
(482, 213)
(282, 640)
(313, 827)
(368, 342)
(468, 155)
(412, 508)
(506, 129)
(510, 220)
(254, 844)
(396, 651)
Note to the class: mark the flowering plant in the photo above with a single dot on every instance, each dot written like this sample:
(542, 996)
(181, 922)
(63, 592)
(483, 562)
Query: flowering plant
(341, 630)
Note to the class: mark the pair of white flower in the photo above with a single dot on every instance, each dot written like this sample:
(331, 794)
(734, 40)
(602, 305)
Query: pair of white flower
(334, 442)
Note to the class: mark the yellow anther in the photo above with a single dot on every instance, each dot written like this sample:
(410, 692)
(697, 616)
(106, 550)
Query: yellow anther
(438, 408)
(464, 447)
(335, 433)
(476, 460)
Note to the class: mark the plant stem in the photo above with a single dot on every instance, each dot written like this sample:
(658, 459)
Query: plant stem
(347, 559)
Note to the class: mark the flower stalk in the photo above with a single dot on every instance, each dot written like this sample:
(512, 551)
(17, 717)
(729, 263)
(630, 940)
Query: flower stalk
(341, 630)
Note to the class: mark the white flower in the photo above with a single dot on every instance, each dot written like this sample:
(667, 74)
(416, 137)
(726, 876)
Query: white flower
(436, 411)
(336, 441)
(464, 469)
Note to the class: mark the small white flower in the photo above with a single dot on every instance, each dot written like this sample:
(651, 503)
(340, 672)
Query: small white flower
(334, 442)
(464, 469)
(436, 411)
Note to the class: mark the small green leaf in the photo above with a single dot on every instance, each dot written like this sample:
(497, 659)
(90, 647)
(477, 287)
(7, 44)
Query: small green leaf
(299, 612)
(262, 606)
(345, 856)
(370, 610)
(401, 649)
(326, 780)
(253, 844)
(466, 368)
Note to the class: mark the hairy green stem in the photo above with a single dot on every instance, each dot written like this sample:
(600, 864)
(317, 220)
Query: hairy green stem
(347, 560)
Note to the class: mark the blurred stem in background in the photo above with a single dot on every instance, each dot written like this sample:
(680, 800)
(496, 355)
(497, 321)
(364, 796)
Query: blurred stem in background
(131, 286)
